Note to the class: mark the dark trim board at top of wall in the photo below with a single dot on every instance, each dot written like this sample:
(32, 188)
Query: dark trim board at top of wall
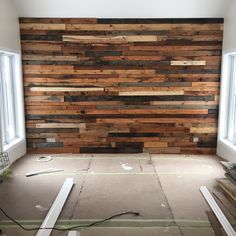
(125, 20)
(163, 20)
(121, 85)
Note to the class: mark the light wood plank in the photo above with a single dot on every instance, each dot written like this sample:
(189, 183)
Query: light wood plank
(155, 144)
(141, 27)
(112, 39)
(61, 125)
(203, 130)
(188, 63)
(48, 58)
(37, 26)
(151, 93)
(64, 89)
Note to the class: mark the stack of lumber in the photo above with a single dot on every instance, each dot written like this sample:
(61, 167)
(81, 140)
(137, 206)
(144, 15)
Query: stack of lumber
(228, 184)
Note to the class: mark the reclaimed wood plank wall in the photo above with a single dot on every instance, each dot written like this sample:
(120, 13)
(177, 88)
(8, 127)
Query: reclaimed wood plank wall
(121, 85)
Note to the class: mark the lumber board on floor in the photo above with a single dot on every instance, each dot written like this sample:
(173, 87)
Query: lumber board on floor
(228, 187)
(121, 85)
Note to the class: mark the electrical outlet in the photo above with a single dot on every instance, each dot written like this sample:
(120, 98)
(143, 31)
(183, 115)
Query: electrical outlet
(195, 139)
(50, 140)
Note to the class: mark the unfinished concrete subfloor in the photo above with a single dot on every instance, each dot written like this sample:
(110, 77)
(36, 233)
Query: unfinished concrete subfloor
(164, 189)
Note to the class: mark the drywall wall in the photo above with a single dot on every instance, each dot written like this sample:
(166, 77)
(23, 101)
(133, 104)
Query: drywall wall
(9, 26)
(225, 149)
(230, 28)
(118, 85)
(10, 41)
(122, 8)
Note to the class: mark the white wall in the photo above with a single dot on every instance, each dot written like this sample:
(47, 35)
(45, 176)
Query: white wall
(122, 8)
(9, 26)
(224, 148)
(230, 28)
(10, 41)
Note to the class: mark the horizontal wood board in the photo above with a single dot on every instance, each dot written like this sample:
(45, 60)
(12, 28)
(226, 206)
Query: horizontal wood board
(121, 85)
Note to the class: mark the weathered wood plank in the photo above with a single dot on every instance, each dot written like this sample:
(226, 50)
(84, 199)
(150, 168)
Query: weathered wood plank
(160, 21)
(137, 27)
(39, 26)
(151, 93)
(63, 89)
(203, 129)
(112, 39)
(49, 47)
(58, 20)
(188, 63)
(61, 125)
(48, 58)
(153, 120)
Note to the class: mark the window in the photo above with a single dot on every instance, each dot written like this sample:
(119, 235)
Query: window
(231, 127)
(226, 141)
(8, 95)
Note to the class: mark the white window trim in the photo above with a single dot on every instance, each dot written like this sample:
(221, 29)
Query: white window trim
(17, 148)
(225, 148)
(13, 68)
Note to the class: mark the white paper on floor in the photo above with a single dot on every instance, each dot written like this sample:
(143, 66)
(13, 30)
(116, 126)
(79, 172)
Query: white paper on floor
(41, 208)
(126, 166)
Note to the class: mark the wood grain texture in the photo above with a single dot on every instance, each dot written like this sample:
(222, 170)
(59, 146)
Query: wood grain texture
(188, 63)
(121, 85)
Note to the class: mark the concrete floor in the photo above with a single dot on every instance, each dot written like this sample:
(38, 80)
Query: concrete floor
(165, 192)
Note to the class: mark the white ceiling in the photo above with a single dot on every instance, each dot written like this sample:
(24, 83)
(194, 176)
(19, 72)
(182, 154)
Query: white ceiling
(122, 8)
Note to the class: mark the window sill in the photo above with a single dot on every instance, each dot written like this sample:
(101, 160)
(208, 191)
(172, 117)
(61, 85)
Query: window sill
(229, 144)
(226, 150)
(13, 144)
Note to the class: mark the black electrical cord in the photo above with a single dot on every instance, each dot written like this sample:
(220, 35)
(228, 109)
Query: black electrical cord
(73, 227)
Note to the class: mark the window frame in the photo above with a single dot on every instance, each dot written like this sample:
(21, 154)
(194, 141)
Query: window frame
(231, 114)
(18, 105)
(12, 103)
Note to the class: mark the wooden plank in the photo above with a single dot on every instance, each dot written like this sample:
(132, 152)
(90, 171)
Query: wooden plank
(174, 47)
(206, 84)
(49, 47)
(188, 63)
(110, 39)
(94, 39)
(58, 20)
(160, 21)
(203, 130)
(153, 120)
(45, 99)
(155, 144)
(61, 125)
(151, 93)
(161, 150)
(63, 89)
(138, 27)
(154, 111)
(228, 187)
(39, 26)
(32, 57)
